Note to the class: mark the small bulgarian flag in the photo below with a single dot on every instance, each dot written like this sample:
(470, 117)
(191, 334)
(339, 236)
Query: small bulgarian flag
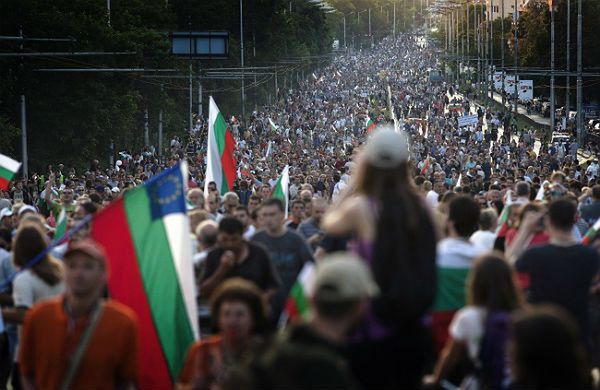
(281, 188)
(297, 304)
(274, 127)
(503, 219)
(269, 150)
(370, 125)
(591, 233)
(61, 225)
(8, 169)
(145, 235)
(425, 166)
(540, 194)
(221, 166)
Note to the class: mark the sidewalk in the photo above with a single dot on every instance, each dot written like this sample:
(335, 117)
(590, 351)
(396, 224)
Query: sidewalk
(522, 110)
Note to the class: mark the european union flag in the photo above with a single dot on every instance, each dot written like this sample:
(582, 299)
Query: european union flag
(166, 193)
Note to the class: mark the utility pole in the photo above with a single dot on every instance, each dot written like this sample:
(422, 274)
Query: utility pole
(568, 81)
(344, 32)
(242, 57)
(580, 130)
(457, 48)
(394, 30)
(190, 81)
(552, 97)
(516, 20)
(146, 128)
(502, 43)
(492, 51)
(23, 117)
(370, 35)
(160, 126)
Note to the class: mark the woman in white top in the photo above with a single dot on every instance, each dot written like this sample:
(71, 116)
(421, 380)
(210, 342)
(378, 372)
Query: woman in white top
(43, 280)
(491, 296)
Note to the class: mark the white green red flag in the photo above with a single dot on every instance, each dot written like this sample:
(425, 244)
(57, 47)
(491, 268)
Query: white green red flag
(273, 126)
(61, 225)
(269, 150)
(540, 194)
(8, 170)
(503, 222)
(591, 233)
(221, 165)
(146, 237)
(281, 188)
(297, 305)
(370, 125)
(459, 181)
(425, 166)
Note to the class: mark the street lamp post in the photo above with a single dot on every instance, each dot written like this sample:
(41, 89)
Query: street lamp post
(502, 55)
(394, 30)
(491, 76)
(580, 129)
(370, 35)
(516, 94)
(568, 81)
(552, 98)
(242, 58)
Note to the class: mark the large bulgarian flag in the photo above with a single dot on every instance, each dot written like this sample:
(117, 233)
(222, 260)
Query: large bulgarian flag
(8, 169)
(147, 241)
(221, 166)
(281, 188)
(452, 273)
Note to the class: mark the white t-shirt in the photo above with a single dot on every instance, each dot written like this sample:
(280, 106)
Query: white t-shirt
(483, 238)
(29, 289)
(467, 326)
(432, 199)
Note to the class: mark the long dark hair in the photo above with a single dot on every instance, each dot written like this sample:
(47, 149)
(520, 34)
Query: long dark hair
(30, 242)
(491, 284)
(405, 246)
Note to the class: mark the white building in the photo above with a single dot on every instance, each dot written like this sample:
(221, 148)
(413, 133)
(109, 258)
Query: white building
(509, 7)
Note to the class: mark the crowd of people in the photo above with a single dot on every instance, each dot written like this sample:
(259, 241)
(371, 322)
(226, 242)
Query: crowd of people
(447, 253)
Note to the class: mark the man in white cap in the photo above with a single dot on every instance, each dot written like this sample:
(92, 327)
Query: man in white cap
(6, 218)
(310, 355)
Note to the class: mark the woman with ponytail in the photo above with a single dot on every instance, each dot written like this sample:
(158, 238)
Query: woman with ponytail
(393, 231)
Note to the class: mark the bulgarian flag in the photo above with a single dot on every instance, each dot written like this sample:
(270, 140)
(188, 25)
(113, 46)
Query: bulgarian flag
(281, 189)
(540, 194)
(459, 181)
(61, 225)
(452, 274)
(591, 233)
(370, 125)
(425, 166)
(146, 237)
(221, 167)
(8, 169)
(503, 222)
(269, 150)
(274, 127)
(297, 304)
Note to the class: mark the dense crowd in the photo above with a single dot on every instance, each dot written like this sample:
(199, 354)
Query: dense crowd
(446, 253)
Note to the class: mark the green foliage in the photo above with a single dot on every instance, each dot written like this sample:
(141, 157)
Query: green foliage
(75, 117)
(10, 137)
